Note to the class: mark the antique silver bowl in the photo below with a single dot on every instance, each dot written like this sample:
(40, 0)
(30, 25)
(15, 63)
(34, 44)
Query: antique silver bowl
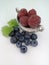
(38, 29)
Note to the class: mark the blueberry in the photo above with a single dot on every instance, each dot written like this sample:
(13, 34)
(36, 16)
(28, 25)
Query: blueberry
(18, 44)
(12, 34)
(13, 40)
(23, 33)
(27, 36)
(16, 29)
(18, 34)
(33, 36)
(17, 37)
(23, 49)
(27, 42)
(34, 43)
(21, 39)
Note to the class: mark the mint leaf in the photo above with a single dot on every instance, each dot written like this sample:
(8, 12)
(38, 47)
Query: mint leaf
(13, 23)
(6, 30)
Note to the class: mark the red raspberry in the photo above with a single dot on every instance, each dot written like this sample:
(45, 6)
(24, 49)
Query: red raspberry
(34, 21)
(24, 20)
(32, 12)
(22, 12)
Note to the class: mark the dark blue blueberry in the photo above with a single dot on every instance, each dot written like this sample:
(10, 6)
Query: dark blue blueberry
(13, 40)
(18, 44)
(27, 42)
(17, 37)
(16, 29)
(34, 43)
(23, 33)
(18, 34)
(33, 36)
(27, 36)
(21, 39)
(12, 34)
(23, 49)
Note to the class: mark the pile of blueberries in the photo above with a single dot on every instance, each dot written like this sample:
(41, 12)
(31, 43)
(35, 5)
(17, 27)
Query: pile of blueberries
(22, 39)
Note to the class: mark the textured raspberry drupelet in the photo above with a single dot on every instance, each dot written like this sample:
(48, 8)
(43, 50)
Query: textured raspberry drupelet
(24, 20)
(22, 12)
(34, 21)
(32, 12)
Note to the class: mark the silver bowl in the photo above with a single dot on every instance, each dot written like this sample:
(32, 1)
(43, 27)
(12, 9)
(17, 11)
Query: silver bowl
(38, 29)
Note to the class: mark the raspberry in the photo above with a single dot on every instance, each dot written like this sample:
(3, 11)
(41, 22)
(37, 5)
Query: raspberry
(24, 20)
(32, 12)
(34, 21)
(22, 12)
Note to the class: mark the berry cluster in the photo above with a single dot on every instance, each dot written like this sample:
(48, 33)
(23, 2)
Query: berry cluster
(22, 39)
(30, 18)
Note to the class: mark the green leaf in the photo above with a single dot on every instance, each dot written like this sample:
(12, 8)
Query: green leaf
(13, 23)
(6, 30)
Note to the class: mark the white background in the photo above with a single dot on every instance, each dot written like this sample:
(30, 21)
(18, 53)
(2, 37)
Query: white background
(10, 54)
